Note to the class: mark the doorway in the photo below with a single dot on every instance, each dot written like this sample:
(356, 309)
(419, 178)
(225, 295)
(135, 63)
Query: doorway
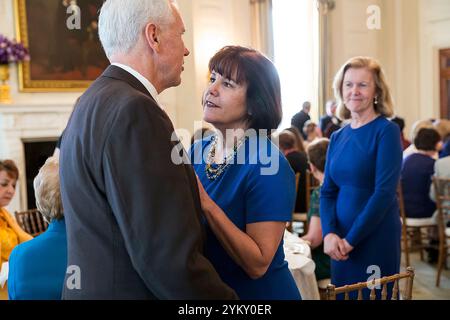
(36, 153)
(444, 66)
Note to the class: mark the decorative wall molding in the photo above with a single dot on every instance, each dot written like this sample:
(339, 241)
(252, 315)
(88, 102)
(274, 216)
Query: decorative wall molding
(28, 122)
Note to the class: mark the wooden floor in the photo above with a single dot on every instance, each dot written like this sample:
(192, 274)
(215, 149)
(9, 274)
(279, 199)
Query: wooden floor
(425, 279)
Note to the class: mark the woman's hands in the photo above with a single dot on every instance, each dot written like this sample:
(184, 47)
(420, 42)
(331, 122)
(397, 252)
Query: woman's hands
(337, 248)
(253, 249)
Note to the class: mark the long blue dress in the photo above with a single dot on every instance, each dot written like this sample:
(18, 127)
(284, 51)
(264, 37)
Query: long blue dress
(358, 200)
(248, 194)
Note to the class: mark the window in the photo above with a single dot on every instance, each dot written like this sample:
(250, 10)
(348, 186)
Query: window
(296, 54)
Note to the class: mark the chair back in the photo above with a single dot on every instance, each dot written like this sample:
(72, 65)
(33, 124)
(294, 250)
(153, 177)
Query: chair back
(401, 203)
(297, 179)
(442, 192)
(31, 221)
(311, 184)
(442, 196)
(332, 291)
(294, 217)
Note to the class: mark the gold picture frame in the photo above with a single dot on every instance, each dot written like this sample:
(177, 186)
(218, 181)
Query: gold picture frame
(61, 60)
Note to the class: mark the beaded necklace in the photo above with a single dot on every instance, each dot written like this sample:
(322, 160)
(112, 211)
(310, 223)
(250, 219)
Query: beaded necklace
(214, 170)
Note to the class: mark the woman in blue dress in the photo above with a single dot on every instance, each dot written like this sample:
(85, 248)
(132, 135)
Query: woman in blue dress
(360, 216)
(247, 188)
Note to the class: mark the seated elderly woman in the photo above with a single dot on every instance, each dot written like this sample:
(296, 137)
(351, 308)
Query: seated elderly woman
(443, 127)
(37, 268)
(416, 174)
(10, 232)
(420, 124)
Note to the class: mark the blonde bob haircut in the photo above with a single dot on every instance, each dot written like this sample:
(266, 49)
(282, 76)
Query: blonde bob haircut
(384, 105)
(48, 192)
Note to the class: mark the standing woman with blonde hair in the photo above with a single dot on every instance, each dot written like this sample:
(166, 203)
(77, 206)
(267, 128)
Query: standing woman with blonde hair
(359, 208)
(10, 232)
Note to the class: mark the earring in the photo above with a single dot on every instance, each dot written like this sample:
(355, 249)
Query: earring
(376, 100)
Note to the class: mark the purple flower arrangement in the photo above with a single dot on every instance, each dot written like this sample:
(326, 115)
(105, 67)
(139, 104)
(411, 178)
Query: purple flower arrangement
(12, 51)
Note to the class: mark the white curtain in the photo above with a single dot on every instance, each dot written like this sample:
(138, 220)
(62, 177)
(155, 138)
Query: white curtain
(262, 28)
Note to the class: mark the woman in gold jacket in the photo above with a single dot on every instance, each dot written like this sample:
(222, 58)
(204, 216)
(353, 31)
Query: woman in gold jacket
(10, 232)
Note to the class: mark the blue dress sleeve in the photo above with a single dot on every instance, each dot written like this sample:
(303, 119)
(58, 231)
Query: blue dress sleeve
(328, 195)
(388, 166)
(12, 275)
(270, 197)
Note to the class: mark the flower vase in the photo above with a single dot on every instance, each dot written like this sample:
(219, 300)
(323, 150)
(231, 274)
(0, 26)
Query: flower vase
(5, 90)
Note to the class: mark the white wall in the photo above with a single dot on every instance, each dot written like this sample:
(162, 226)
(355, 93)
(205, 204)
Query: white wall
(401, 57)
(434, 19)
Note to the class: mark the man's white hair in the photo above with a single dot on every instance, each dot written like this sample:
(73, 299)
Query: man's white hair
(121, 22)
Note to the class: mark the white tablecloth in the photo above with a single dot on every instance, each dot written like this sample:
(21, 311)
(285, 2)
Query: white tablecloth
(298, 256)
(4, 270)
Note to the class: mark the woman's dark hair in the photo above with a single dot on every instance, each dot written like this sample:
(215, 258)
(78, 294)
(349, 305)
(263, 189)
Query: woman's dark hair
(317, 153)
(298, 138)
(10, 167)
(245, 65)
(400, 122)
(427, 139)
(286, 141)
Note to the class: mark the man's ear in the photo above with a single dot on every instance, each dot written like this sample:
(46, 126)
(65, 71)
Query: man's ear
(152, 34)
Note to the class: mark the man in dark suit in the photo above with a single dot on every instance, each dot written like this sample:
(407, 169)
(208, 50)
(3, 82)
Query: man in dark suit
(299, 119)
(329, 122)
(132, 215)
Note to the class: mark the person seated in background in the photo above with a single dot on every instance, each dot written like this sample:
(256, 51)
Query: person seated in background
(299, 143)
(416, 173)
(37, 267)
(317, 153)
(443, 127)
(329, 123)
(311, 131)
(441, 170)
(401, 124)
(299, 163)
(420, 124)
(10, 232)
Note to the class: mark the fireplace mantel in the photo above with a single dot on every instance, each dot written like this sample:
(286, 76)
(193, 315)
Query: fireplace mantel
(25, 121)
(35, 108)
